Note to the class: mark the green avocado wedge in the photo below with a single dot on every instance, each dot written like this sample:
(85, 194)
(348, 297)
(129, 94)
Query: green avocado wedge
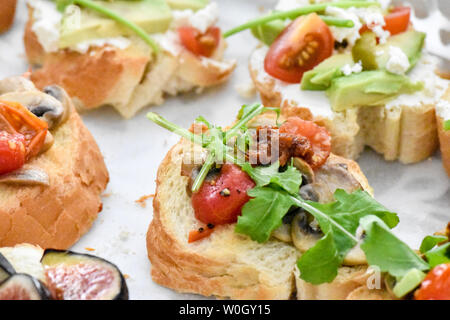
(368, 88)
(187, 4)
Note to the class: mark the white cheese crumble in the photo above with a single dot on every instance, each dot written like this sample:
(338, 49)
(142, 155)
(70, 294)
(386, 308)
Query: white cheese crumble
(443, 109)
(285, 5)
(46, 23)
(398, 61)
(119, 42)
(349, 69)
(341, 34)
(374, 19)
(201, 20)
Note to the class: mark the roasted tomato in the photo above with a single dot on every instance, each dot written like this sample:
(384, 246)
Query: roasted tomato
(12, 151)
(16, 119)
(397, 21)
(318, 137)
(436, 285)
(200, 44)
(220, 201)
(302, 45)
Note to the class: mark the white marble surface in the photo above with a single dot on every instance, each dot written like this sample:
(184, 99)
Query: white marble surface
(419, 193)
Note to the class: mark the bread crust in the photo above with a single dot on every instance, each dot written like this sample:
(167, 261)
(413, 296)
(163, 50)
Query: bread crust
(407, 134)
(7, 12)
(58, 215)
(186, 268)
(444, 138)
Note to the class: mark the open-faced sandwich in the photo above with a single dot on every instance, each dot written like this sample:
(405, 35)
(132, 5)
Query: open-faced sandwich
(359, 68)
(263, 210)
(128, 54)
(443, 124)
(51, 170)
(8, 9)
(28, 272)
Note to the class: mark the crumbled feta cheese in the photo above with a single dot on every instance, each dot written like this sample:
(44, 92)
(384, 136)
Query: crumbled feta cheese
(201, 20)
(285, 5)
(398, 61)
(374, 19)
(341, 34)
(443, 109)
(348, 69)
(46, 23)
(384, 4)
(119, 42)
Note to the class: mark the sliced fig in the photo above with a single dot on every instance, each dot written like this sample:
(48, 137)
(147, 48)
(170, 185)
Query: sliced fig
(23, 287)
(76, 276)
(6, 269)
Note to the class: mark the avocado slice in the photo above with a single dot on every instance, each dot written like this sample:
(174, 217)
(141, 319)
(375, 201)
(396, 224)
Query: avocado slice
(187, 4)
(153, 16)
(408, 283)
(410, 42)
(368, 88)
(268, 32)
(320, 77)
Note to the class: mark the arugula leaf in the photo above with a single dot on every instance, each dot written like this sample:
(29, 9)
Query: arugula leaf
(438, 255)
(263, 214)
(289, 180)
(385, 250)
(320, 264)
(429, 242)
(447, 125)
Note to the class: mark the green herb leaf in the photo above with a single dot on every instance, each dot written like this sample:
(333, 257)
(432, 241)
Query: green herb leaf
(263, 214)
(385, 250)
(447, 125)
(438, 255)
(320, 264)
(289, 180)
(429, 242)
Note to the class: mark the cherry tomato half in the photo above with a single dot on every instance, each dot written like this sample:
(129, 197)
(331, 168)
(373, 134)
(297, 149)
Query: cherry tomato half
(198, 43)
(220, 201)
(302, 45)
(397, 21)
(436, 285)
(318, 137)
(12, 151)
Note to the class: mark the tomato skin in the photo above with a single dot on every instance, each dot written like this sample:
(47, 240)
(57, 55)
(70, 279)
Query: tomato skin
(318, 136)
(196, 235)
(197, 43)
(436, 285)
(210, 206)
(12, 152)
(397, 21)
(288, 57)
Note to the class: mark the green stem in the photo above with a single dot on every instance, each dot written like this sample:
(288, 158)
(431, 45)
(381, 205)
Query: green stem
(257, 109)
(447, 125)
(292, 14)
(303, 204)
(156, 118)
(203, 172)
(336, 22)
(125, 22)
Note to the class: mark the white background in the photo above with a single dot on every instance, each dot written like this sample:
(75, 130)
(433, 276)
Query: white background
(419, 193)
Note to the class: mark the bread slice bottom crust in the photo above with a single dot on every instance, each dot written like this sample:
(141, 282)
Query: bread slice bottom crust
(226, 264)
(404, 133)
(56, 216)
(7, 12)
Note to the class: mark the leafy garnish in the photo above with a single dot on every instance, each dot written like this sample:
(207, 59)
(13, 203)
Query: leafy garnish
(429, 242)
(438, 255)
(447, 125)
(94, 6)
(385, 250)
(264, 213)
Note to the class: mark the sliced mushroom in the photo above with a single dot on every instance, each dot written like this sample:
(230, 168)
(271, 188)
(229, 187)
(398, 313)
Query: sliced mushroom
(48, 142)
(332, 176)
(283, 233)
(355, 257)
(304, 231)
(61, 95)
(26, 177)
(305, 169)
(40, 104)
(15, 84)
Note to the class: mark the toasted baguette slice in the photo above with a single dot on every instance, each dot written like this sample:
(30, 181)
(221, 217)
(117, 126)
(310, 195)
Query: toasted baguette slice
(444, 136)
(57, 215)
(403, 132)
(127, 79)
(226, 264)
(7, 12)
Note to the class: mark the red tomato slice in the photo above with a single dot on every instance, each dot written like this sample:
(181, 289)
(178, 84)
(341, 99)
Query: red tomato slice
(198, 43)
(15, 118)
(436, 285)
(318, 137)
(12, 152)
(196, 235)
(397, 21)
(221, 201)
(302, 45)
